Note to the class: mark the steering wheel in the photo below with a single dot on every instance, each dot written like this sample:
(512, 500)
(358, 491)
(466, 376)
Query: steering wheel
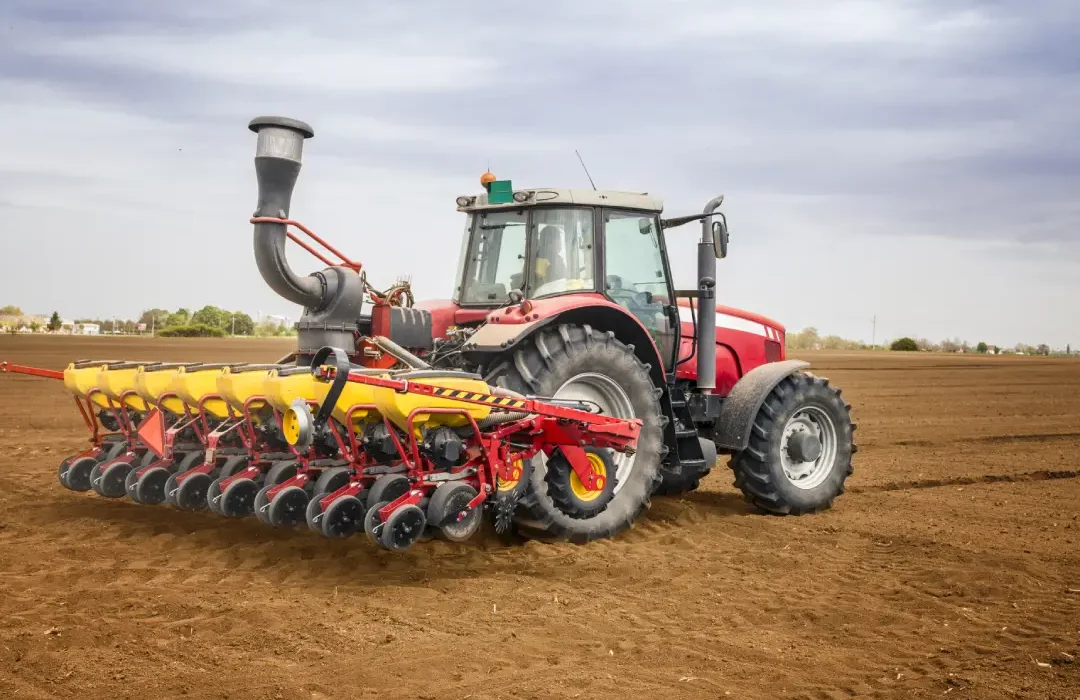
(634, 299)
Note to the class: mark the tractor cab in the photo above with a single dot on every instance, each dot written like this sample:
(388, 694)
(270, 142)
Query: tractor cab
(545, 242)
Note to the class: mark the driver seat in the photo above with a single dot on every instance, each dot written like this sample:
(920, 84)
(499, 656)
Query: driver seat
(550, 264)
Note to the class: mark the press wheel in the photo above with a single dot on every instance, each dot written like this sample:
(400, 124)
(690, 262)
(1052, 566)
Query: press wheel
(403, 528)
(191, 494)
(343, 518)
(289, 507)
(238, 498)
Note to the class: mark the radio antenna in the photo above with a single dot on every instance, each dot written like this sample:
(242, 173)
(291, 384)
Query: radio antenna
(585, 169)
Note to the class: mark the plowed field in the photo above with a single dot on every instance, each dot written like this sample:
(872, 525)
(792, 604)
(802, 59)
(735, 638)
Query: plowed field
(950, 568)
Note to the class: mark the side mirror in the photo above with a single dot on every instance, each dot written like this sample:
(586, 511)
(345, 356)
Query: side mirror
(720, 236)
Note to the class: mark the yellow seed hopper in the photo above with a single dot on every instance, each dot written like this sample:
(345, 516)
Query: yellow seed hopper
(284, 385)
(193, 383)
(243, 384)
(397, 406)
(352, 394)
(154, 381)
(118, 383)
(81, 378)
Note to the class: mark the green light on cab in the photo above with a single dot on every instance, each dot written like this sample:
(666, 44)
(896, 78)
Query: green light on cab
(501, 192)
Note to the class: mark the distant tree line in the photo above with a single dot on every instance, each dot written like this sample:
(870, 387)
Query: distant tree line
(956, 345)
(209, 321)
(810, 339)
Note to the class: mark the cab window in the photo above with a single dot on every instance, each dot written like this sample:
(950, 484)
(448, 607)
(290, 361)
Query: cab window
(562, 251)
(495, 258)
(635, 277)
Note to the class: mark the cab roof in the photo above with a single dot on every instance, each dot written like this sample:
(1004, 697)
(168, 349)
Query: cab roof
(538, 196)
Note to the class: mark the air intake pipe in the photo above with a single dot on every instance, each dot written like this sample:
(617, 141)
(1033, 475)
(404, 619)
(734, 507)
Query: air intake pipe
(332, 298)
(706, 338)
(278, 155)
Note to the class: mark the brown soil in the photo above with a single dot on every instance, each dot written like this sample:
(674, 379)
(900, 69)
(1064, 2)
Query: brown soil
(950, 567)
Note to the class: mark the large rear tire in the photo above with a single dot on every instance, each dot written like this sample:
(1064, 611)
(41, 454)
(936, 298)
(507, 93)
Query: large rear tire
(800, 450)
(577, 362)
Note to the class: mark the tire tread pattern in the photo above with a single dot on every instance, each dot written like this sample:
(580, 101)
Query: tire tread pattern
(538, 367)
(754, 468)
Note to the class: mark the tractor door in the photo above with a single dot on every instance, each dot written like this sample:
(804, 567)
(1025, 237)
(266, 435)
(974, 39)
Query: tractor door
(636, 275)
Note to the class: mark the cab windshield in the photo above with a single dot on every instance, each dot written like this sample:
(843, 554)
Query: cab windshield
(494, 259)
(558, 243)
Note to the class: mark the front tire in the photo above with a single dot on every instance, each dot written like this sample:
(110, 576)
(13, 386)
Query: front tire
(578, 362)
(800, 449)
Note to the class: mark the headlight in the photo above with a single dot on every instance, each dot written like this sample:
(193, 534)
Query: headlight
(465, 201)
(522, 196)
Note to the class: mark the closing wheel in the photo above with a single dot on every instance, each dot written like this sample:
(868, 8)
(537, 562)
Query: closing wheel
(330, 480)
(445, 508)
(280, 472)
(150, 487)
(403, 528)
(171, 487)
(131, 484)
(568, 492)
(113, 450)
(262, 505)
(111, 482)
(77, 477)
(343, 518)
(373, 522)
(314, 514)
(577, 362)
(191, 494)
(232, 465)
(388, 487)
(190, 461)
(800, 448)
(238, 498)
(213, 496)
(95, 475)
(147, 459)
(289, 507)
(61, 471)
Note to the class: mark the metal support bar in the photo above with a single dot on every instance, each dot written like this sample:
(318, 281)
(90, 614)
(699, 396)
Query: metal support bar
(345, 262)
(628, 428)
(33, 371)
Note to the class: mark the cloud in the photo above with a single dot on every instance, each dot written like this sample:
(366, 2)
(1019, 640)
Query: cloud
(849, 136)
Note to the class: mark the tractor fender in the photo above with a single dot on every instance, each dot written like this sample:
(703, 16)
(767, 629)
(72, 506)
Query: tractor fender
(507, 328)
(741, 405)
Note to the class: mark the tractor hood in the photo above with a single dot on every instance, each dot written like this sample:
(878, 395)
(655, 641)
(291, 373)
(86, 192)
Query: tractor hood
(737, 319)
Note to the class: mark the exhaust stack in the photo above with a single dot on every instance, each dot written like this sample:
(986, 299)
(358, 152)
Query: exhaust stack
(278, 156)
(706, 339)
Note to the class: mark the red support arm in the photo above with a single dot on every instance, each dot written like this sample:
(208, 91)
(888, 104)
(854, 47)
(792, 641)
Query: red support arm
(345, 262)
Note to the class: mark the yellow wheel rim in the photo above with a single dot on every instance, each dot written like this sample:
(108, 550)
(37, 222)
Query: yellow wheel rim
(290, 425)
(511, 484)
(600, 469)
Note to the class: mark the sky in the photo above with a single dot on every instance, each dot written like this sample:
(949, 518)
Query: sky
(917, 161)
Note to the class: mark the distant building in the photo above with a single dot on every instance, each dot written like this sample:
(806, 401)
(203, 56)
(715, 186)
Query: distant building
(87, 329)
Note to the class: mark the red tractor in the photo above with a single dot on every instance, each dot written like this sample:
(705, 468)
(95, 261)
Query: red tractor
(567, 294)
